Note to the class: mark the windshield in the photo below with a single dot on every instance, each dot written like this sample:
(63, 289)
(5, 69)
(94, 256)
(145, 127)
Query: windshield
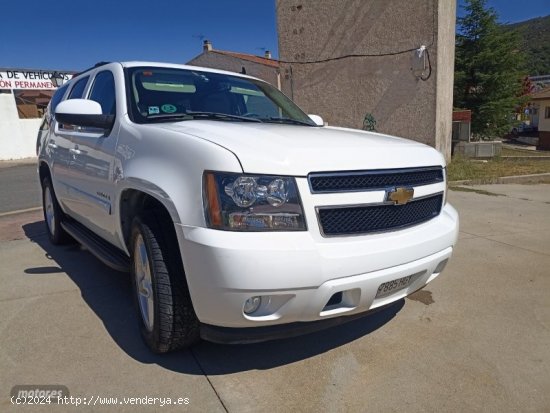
(171, 95)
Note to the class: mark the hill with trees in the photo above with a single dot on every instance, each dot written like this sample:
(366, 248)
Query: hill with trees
(535, 40)
(489, 68)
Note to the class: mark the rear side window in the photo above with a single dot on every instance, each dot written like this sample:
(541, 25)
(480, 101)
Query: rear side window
(78, 89)
(58, 95)
(103, 92)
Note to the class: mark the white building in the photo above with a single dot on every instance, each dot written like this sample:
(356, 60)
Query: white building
(24, 95)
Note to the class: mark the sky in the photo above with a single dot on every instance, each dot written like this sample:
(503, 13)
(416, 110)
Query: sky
(512, 11)
(74, 35)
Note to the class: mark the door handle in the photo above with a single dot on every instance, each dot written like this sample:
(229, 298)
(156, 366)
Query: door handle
(52, 145)
(75, 151)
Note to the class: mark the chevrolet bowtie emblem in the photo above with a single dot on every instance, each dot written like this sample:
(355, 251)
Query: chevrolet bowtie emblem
(400, 195)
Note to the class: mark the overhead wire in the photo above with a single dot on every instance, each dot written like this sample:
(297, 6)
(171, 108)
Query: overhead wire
(380, 54)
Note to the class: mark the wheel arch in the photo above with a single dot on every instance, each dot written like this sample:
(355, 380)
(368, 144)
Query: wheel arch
(44, 171)
(137, 197)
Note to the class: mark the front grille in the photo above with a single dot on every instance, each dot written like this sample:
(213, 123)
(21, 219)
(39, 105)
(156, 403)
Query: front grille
(370, 180)
(376, 218)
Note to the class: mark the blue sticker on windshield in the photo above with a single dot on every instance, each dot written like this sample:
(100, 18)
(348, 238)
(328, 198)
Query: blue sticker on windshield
(168, 108)
(153, 110)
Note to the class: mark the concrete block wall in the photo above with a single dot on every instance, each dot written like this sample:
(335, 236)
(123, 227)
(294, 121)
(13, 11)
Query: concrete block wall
(383, 85)
(17, 136)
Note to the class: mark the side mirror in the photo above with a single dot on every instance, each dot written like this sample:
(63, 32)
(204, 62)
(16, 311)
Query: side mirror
(317, 119)
(83, 112)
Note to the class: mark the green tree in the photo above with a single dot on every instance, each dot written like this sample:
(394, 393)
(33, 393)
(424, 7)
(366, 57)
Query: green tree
(488, 70)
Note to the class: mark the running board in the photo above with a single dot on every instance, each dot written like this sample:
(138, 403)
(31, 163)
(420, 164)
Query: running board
(108, 254)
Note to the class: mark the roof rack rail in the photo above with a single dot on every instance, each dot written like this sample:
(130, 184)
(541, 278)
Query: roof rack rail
(98, 64)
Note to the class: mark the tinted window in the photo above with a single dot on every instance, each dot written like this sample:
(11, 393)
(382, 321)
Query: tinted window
(78, 88)
(103, 92)
(161, 94)
(58, 95)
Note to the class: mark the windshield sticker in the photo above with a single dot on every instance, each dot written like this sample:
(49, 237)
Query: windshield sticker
(168, 108)
(153, 110)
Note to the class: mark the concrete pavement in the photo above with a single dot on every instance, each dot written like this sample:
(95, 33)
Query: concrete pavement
(19, 186)
(475, 340)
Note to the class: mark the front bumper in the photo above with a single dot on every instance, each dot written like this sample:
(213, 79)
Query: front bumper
(297, 273)
(248, 335)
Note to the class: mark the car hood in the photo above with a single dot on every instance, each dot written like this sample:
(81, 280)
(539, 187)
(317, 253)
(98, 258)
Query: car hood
(298, 150)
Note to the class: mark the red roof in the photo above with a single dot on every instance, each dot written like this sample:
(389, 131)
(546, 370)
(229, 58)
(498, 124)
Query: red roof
(249, 57)
(462, 115)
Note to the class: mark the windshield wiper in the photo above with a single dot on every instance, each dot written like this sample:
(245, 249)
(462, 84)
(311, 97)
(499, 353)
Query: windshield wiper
(170, 116)
(190, 115)
(287, 121)
(216, 115)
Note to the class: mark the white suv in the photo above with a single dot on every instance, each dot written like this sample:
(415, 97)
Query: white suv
(240, 217)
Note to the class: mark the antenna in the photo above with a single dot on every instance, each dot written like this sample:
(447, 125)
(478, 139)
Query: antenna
(199, 36)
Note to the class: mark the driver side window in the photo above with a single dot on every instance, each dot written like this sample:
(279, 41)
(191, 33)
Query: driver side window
(103, 92)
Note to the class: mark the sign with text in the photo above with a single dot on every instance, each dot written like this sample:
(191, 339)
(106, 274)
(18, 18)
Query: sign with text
(30, 79)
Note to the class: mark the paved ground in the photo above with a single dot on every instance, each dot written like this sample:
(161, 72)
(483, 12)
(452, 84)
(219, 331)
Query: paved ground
(19, 187)
(477, 339)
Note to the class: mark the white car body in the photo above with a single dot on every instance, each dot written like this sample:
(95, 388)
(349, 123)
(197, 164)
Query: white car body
(295, 273)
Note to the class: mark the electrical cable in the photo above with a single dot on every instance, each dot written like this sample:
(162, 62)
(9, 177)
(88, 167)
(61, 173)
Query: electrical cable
(395, 53)
(424, 78)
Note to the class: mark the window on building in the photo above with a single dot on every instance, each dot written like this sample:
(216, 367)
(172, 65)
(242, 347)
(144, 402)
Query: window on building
(103, 92)
(32, 103)
(547, 112)
(7, 91)
(78, 89)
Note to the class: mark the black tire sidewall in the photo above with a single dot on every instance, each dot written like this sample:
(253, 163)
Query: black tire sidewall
(173, 309)
(58, 236)
(151, 337)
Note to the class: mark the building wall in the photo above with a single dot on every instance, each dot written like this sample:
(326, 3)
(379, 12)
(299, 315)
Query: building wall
(384, 86)
(223, 62)
(17, 136)
(544, 124)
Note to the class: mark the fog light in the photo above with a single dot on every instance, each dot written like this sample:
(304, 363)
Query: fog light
(252, 304)
(441, 266)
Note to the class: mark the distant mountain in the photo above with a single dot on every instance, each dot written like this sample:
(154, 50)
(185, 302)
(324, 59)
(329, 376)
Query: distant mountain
(535, 35)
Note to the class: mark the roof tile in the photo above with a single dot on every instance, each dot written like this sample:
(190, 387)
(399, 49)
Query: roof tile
(250, 57)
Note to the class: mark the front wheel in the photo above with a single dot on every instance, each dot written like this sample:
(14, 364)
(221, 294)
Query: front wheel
(166, 316)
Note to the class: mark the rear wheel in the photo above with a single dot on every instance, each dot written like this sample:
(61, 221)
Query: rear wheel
(53, 214)
(166, 316)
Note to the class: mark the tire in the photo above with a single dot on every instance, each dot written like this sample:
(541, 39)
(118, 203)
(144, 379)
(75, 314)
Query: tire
(53, 214)
(165, 312)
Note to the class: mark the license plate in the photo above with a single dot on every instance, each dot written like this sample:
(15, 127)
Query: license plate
(390, 287)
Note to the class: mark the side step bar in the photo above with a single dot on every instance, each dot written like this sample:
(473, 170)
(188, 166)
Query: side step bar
(108, 254)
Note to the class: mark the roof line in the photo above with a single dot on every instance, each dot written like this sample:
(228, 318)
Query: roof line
(249, 57)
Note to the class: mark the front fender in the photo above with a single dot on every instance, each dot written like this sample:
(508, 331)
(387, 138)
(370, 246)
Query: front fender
(169, 167)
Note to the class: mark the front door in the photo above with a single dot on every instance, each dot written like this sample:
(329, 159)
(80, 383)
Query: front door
(59, 145)
(92, 182)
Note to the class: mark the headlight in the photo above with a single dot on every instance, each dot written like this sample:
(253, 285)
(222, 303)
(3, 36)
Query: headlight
(239, 202)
